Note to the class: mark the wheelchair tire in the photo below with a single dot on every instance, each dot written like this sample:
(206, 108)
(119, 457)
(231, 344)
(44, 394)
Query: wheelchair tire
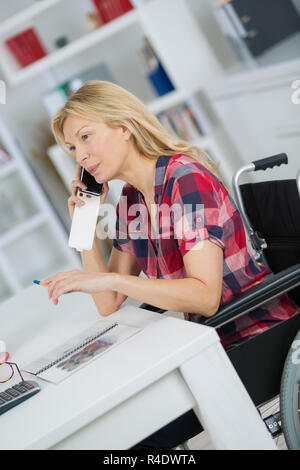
(290, 396)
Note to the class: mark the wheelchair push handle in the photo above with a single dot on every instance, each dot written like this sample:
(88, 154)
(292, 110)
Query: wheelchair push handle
(269, 162)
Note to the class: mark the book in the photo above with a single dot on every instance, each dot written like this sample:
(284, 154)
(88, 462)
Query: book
(17, 51)
(26, 47)
(203, 122)
(182, 124)
(192, 130)
(193, 120)
(126, 5)
(108, 10)
(34, 44)
(163, 118)
(101, 11)
(71, 356)
(175, 123)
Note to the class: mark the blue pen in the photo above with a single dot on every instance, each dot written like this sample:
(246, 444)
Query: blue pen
(45, 284)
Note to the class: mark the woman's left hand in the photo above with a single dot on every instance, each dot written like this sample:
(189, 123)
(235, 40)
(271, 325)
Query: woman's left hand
(77, 281)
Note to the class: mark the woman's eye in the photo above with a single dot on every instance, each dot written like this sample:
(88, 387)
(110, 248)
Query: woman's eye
(71, 149)
(85, 136)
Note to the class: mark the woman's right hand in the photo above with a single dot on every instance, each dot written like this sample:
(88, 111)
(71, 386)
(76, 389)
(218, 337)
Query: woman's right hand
(74, 200)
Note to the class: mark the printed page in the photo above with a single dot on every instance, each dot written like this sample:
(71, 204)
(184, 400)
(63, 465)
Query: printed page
(84, 355)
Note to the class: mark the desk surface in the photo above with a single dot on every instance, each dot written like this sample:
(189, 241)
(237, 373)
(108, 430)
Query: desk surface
(31, 325)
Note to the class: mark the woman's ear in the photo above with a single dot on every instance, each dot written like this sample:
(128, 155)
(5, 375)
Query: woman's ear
(126, 132)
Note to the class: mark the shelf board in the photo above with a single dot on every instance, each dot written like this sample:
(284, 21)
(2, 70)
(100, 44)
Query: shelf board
(75, 47)
(22, 228)
(8, 168)
(239, 81)
(161, 103)
(25, 15)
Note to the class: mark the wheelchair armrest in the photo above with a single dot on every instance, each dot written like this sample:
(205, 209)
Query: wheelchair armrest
(251, 299)
(256, 296)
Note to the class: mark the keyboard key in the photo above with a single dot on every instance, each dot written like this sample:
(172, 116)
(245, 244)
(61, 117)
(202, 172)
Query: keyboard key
(19, 388)
(7, 401)
(5, 396)
(27, 385)
(12, 392)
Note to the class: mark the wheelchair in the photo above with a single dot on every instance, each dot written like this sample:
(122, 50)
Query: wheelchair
(268, 364)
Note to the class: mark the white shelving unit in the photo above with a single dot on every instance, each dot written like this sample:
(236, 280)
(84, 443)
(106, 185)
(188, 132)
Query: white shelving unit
(17, 76)
(160, 20)
(27, 14)
(189, 61)
(33, 244)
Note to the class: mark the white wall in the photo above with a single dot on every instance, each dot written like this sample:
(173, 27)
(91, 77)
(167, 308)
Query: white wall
(258, 113)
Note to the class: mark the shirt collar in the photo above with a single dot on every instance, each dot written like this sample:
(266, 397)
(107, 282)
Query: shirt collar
(160, 170)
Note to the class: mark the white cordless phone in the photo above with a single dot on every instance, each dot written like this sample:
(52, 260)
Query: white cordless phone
(85, 217)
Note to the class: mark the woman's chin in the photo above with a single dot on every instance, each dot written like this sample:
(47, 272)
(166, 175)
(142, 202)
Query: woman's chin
(102, 178)
(98, 177)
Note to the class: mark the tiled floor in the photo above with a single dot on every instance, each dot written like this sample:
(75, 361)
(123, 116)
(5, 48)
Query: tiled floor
(202, 442)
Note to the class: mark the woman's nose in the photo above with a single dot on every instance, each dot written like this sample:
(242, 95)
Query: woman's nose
(80, 157)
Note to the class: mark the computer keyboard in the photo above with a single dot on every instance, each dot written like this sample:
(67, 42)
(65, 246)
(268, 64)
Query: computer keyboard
(16, 394)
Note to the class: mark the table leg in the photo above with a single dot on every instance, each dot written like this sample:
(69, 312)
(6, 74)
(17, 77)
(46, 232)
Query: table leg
(224, 407)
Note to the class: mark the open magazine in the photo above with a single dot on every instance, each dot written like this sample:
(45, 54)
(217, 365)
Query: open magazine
(71, 356)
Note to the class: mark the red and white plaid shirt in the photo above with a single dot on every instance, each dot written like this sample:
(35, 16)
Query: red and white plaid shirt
(202, 209)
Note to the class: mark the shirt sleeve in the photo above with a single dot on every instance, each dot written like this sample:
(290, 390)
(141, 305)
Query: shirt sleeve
(122, 240)
(197, 210)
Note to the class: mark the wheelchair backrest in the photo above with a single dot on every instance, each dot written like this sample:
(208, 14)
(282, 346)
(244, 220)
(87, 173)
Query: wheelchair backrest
(273, 209)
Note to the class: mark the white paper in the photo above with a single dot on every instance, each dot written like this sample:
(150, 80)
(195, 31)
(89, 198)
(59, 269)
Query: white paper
(75, 360)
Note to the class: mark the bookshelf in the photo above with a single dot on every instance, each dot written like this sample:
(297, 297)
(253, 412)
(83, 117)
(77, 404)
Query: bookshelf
(153, 17)
(181, 50)
(16, 76)
(33, 244)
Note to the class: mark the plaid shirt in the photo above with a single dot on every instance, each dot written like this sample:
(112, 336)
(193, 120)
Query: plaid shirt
(203, 210)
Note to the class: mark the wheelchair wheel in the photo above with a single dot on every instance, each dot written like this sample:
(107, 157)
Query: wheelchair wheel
(290, 396)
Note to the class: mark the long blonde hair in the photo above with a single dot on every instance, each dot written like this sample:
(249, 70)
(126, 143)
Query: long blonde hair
(115, 106)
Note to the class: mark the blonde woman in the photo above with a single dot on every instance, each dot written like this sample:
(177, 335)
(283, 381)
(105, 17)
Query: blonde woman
(194, 254)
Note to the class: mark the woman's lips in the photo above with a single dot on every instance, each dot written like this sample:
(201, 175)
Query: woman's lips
(93, 169)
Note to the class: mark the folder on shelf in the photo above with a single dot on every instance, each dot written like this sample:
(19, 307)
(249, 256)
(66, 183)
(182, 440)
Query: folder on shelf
(260, 24)
(108, 10)
(26, 47)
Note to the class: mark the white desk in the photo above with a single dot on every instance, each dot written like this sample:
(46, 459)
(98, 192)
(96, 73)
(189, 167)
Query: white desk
(122, 397)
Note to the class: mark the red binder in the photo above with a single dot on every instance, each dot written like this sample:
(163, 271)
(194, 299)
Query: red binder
(34, 44)
(108, 10)
(26, 47)
(101, 10)
(15, 49)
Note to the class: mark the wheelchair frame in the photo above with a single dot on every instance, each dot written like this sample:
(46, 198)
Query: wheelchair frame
(258, 360)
